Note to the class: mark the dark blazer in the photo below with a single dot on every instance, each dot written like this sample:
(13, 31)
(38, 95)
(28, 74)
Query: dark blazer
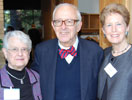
(91, 56)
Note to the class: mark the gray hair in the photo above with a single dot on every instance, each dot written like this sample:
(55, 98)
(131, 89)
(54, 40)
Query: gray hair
(20, 35)
(67, 4)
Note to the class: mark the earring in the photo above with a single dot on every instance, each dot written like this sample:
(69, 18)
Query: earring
(126, 33)
(104, 35)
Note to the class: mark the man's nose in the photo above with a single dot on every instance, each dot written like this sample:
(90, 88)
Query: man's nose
(63, 25)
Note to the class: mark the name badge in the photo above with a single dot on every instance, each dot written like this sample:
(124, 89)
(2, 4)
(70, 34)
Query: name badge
(110, 70)
(12, 94)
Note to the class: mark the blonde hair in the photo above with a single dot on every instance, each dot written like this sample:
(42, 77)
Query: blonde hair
(115, 8)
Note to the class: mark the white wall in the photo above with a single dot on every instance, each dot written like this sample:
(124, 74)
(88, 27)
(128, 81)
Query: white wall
(89, 6)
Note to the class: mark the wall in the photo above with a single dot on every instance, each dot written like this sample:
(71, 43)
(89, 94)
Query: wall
(128, 5)
(2, 61)
(89, 6)
(1, 20)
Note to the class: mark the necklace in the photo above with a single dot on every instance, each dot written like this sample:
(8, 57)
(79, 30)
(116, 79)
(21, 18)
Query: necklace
(20, 79)
(121, 50)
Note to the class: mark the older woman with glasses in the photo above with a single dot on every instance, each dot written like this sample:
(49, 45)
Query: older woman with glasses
(16, 81)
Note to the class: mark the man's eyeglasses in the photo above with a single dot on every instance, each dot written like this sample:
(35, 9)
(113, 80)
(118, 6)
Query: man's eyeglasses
(67, 22)
(16, 50)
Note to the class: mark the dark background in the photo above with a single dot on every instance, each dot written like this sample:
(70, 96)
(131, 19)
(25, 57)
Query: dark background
(22, 4)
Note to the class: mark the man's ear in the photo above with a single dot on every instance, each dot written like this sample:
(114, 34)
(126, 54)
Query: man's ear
(52, 25)
(79, 26)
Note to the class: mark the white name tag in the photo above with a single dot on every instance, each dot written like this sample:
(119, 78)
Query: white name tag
(12, 94)
(110, 70)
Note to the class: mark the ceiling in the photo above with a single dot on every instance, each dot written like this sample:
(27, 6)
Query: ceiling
(22, 4)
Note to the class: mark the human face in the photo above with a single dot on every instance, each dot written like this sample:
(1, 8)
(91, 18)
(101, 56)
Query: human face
(66, 34)
(115, 28)
(17, 54)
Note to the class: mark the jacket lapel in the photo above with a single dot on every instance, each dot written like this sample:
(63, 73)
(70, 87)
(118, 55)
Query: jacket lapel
(102, 76)
(4, 78)
(51, 61)
(84, 69)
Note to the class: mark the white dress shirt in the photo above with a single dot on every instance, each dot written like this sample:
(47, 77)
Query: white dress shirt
(69, 58)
